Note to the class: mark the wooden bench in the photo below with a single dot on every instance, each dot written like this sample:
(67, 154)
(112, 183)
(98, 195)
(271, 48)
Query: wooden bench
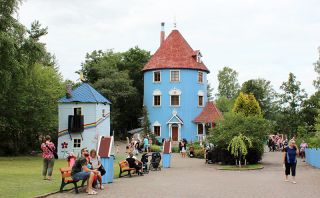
(124, 167)
(67, 179)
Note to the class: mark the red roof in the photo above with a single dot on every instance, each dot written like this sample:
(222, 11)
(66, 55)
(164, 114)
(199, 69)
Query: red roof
(175, 53)
(209, 114)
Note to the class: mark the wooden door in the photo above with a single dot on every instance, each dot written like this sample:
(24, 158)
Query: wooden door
(174, 133)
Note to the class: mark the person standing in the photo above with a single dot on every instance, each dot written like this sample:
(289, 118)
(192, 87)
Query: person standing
(303, 147)
(146, 144)
(48, 158)
(290, 160)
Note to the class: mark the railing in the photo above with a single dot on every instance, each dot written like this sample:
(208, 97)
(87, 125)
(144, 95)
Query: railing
(313, 157)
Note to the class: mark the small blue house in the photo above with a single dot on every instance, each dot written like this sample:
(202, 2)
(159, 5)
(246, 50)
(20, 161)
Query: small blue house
(84, 116)
(175, 91)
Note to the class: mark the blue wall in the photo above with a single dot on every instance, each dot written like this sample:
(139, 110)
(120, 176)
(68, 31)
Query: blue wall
(188, 109)
(313, 157)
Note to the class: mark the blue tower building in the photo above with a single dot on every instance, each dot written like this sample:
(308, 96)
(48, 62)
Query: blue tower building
(175, 91)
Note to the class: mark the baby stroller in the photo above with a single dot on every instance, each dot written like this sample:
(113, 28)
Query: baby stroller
(155, 161)
(145, 160)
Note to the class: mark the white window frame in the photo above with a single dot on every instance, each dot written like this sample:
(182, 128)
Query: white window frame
(79, 142)
(201, 93)
(199, 100)
(171, 101)
(153, 76)
(156, 123)
(156, 92)
(202, 77)
(154, 100)
(171, 76)
(198, 129)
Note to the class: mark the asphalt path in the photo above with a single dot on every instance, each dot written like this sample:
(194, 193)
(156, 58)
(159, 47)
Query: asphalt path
(193, 178)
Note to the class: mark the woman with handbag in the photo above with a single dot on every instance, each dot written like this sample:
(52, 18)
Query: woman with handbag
(48, 154)
(95, 162)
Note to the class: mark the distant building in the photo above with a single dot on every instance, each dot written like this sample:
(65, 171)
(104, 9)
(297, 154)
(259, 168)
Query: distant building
(84, 115)
(175, 91)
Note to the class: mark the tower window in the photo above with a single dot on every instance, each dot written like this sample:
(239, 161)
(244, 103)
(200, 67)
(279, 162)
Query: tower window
(77, 111)
(200, 101)
(156, 130)
(175, 100)
(156, 76)
(200, 77)
(174, 76)
(156, 100)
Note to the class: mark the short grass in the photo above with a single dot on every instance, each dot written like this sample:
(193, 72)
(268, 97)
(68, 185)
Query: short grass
(243, 168)
(21, 176)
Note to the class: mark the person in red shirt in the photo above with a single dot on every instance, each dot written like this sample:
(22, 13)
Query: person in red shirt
(48, 158)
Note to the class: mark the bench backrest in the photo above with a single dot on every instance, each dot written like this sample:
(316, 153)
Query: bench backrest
(66, 172)
(123, 164)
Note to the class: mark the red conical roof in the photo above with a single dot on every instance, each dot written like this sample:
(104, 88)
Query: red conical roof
(209, 114)
(175, 53)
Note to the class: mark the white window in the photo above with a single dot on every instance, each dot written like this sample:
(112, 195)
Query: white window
(157, 130)
(200, 101)
(174, 76)
(76, 143)
(200, 98)
(156, 100)
(200, 129)
(156, 76)
(200, 77)
(175, 100)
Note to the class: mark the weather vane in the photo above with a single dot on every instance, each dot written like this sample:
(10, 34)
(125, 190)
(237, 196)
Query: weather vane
(174, 22)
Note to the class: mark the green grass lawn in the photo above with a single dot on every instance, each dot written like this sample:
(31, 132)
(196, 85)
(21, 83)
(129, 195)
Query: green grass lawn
(21, 176)
(237, 168)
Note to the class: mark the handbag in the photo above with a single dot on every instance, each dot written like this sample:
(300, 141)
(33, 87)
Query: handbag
(53, 152)
(102, 170)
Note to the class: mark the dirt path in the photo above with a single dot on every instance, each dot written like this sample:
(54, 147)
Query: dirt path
(193, 178)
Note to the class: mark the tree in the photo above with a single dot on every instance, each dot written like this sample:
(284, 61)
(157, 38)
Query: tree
(309, 109)
(146, 121)
(291, 100)
(264, 94)
(30, 84)
(239, 146)
(224, 104)
(246, 104)
(118, 76)
(316, 82)
(209, 92)
(228, 83)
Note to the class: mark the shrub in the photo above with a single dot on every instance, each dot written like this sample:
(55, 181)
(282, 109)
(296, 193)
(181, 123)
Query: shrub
(175, 149)
(155, 148)
(199, 153)
(254, 127)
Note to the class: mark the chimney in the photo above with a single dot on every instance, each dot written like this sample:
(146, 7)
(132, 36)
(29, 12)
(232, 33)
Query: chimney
(162, 34)
(69, 90)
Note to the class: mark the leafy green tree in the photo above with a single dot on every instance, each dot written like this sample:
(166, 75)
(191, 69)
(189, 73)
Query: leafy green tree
(30, 84)
(118, 76)
(246, 104)
(309, 109)
(239, 146)
(291, 99)
(316, 82)
(209, 92)
(228, 83)
(264, 94)
(146, 121)
(224, 104)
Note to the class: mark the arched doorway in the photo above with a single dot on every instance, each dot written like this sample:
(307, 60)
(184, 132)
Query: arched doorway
(175, 132)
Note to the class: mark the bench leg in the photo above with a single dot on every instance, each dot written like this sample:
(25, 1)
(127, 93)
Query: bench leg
(62, 185)
(76, 187)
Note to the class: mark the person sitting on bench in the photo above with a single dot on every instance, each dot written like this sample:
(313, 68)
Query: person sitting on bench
(135, 163)
(80, 171)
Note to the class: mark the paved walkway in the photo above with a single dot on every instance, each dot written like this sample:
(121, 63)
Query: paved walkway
(193, 178)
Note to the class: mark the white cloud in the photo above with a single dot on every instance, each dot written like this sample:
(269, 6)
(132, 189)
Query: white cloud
(266, 39)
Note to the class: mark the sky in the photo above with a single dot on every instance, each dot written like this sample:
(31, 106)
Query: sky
(257, 38)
